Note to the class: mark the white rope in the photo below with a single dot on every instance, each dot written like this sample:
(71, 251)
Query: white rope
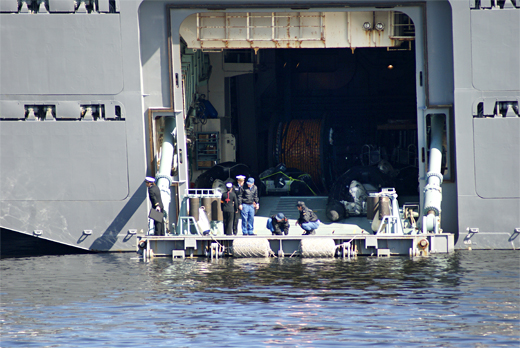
(216, 241)
(341, 245)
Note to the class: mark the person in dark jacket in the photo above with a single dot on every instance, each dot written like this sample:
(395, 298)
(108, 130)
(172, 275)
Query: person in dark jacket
(248, 202)
(308, 220)
(155, 198)
(238, 188)
(229, 207)
(278, 224)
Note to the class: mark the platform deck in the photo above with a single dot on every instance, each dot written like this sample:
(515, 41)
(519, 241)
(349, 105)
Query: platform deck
(354, 233)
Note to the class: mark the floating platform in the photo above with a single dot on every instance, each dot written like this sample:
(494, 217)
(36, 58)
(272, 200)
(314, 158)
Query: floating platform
(295, 246)
(345, 238)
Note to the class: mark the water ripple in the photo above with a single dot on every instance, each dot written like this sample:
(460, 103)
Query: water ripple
(464, 299)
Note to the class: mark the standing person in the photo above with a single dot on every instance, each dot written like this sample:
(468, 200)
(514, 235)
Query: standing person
(155, 198)
(308, 219)
(278, 224)
(238, 187)
(248, 202)
(229, 208)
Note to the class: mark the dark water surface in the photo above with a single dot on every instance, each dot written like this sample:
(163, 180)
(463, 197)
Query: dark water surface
(464, 299)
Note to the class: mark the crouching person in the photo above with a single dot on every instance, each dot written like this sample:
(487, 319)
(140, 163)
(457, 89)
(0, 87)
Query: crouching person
(278, 224)
(308, 219)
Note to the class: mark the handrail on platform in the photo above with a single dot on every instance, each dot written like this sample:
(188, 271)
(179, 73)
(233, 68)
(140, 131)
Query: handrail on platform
(189, 220)
(198, 193)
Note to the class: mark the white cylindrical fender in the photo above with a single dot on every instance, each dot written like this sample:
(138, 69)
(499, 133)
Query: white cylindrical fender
(317, 247)
(251, 247)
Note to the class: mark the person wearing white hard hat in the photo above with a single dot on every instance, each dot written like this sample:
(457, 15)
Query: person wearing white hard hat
(155, 198)
(229, 203)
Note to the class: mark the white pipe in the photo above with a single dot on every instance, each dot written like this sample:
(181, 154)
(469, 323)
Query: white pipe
(164, 179)
(432, 190)
(437, 130)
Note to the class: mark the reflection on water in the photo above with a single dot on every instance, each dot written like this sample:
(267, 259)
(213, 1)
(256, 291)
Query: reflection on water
(456, 300)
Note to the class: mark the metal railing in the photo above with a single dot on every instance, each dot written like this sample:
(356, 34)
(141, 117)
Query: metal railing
(255, 26)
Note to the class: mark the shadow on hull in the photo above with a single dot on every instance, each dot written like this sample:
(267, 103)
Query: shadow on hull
(16, 244)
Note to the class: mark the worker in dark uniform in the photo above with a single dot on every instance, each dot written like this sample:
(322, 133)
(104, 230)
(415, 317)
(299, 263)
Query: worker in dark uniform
(155, 198)
(278, 224)
(248, 202)
(229, 208)
(237, 188)
(308, 220)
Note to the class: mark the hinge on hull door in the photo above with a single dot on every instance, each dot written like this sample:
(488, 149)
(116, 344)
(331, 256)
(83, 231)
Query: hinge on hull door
(92, 112)
(59, 6)
(494, 4)
(40, 112)
(496, 109)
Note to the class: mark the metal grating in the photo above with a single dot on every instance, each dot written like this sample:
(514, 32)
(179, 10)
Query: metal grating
(404, 29)
(274, 26)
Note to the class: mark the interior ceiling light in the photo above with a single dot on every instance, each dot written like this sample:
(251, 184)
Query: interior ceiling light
(390, 67)
(367, 26)
(380, 26)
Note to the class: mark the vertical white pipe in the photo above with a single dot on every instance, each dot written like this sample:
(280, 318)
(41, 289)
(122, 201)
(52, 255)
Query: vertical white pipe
(437, 130)
(164, 179)
(433, 191)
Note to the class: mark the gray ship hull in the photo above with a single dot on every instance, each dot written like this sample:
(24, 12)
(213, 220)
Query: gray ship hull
(84, 86)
